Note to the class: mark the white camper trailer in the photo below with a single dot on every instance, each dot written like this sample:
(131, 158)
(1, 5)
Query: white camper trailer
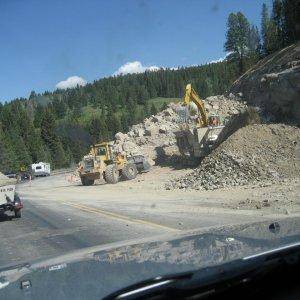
(41, 169)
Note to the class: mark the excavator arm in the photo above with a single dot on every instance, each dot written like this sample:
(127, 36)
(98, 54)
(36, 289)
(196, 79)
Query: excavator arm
(192, 96)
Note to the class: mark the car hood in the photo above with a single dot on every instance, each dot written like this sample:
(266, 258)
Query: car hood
(95, 272)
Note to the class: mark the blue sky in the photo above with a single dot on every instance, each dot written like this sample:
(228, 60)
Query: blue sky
(45, 42)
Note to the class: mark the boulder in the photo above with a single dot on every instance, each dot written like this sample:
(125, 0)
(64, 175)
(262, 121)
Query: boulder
(141, 141)
(168, 112)
(157, 119)
(130, 146)
(120, 136)
(215, 106)
(130, 133)
(138, 131)
(163, 129)
(151, 130)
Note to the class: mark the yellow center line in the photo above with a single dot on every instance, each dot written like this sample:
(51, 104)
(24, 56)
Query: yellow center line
(118, 216)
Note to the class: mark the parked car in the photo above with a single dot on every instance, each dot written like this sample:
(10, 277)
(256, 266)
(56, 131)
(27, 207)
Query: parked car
(10, 174)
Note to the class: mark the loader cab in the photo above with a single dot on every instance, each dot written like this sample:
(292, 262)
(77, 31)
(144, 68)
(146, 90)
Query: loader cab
(104, 151)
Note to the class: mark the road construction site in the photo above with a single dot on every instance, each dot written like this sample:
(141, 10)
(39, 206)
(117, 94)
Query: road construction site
(251, 174)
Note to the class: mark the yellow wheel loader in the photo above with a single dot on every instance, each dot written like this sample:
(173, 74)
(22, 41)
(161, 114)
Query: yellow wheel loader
(104, 162)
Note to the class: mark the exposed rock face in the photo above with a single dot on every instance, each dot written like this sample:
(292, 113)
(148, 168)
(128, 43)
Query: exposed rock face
(253, 154)
(273, 84)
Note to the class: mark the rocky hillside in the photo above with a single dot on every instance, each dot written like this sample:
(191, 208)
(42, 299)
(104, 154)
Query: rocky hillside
(273, 84)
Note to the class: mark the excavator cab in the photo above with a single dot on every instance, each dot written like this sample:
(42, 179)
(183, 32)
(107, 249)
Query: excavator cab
(214, 120)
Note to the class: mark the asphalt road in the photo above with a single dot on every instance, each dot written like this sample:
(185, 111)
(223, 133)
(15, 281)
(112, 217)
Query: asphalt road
(59, 217)
(49, 230)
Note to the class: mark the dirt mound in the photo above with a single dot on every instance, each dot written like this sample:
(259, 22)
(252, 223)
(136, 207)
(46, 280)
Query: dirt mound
(155, 136)
(273, 85)
(253, 154)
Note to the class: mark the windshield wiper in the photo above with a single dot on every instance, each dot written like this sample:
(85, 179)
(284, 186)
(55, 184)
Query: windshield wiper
(213, 280)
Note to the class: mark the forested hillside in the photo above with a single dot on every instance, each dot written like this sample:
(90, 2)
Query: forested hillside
(59, 126)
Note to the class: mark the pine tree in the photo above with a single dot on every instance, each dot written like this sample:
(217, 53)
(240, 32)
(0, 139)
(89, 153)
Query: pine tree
(38, 116)
(277, 18)
(264, 28)
(115, 124)
(95, 129)
(50, 138)
(8, 162)
(58, 155)
(272, 40)
(147, 109)
(237, 39)
(124, 121)
(32, 95)
(291, 21)
(48, 127)
(35, 146)
(164, 106)
(59, 107)
(21, 155)
(254, 45)
(153, 109)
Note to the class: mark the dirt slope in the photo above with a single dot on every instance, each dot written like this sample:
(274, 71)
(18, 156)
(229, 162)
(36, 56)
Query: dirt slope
(253, 154)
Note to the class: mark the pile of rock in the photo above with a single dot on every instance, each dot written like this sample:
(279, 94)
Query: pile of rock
(224, 106)
(253, 154)
(155, 133)
(155, 136)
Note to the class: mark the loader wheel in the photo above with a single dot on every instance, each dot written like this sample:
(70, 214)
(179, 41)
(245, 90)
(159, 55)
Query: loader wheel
(86, 181)
(129, 171)
(111, 174)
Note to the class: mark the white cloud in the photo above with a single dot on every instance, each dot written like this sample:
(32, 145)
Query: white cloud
(220, 59)
(217, 60)
(71, 82)
(134, 67)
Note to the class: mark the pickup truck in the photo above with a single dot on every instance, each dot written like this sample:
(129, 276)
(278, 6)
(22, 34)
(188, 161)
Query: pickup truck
(9, 199)
(14, 205)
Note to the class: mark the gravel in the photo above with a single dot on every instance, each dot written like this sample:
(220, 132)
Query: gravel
(254, 154)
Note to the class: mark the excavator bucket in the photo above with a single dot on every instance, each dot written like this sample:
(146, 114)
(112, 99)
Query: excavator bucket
(197, 142)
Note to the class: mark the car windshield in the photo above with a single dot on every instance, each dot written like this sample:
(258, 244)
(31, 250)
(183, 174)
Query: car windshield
(127, 124)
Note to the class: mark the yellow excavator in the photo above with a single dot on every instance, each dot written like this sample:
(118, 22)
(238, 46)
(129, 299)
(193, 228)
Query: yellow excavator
(197, 138)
